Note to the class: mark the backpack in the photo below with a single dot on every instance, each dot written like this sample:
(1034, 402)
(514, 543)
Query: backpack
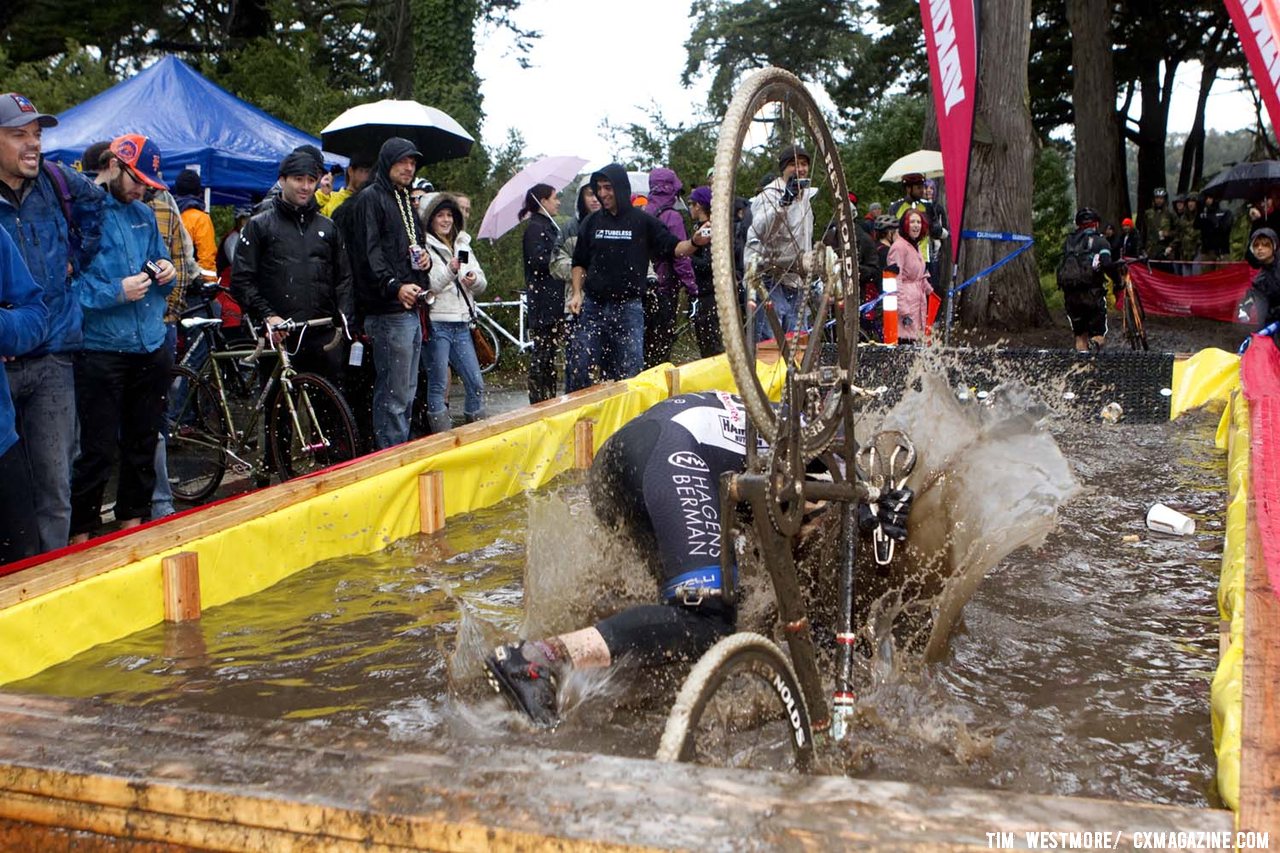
(1076, 272)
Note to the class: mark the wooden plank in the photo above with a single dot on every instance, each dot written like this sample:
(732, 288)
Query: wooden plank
(152, 539)
(181, 578)
(1260, 729)
(232, 783)
(584, 444)
(673, 382)
(431, 500)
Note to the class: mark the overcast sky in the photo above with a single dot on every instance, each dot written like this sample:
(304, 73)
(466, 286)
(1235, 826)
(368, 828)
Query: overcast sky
(601, 59)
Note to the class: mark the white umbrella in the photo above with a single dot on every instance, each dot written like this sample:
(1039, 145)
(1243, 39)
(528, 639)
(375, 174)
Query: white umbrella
(363, 128)
(922, 162)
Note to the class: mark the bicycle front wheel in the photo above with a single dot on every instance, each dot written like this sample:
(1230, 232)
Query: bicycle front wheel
(790, 291)
(740, 707)
(309, 427)
(198, 437)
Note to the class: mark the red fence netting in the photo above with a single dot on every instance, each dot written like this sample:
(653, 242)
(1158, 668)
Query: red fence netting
(1260, 379)
(1214, 295)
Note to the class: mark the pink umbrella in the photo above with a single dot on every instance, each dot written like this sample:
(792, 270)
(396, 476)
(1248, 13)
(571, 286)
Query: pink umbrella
(503, 213)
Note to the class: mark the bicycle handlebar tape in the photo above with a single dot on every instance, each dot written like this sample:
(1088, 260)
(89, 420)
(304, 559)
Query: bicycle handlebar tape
(889, 307)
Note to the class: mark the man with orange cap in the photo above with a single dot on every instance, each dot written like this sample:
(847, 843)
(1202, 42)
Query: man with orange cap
(123, 373)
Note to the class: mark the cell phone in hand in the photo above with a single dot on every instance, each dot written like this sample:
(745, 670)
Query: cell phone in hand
(152, 269)
(464, 257)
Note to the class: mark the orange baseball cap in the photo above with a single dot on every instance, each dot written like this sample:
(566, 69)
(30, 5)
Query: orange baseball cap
(141, 157)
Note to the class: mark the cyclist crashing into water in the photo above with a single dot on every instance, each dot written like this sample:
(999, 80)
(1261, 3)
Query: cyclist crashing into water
(658, 480)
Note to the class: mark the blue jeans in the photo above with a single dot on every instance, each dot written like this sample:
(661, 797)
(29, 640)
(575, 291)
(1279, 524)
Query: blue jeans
(44, 400)
(786, 304)
(450, 346)
(608, 336)
(397, 347)
(162, 494)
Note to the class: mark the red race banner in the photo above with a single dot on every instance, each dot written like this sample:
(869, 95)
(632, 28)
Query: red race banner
(1257, 23)
(1214, 295)
(1260, 378)
(951, 33)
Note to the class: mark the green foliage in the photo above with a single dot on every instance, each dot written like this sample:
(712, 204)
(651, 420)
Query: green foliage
(74, 76)
(445, 77)
(688, 150)
(889, 130)
(1051, 213)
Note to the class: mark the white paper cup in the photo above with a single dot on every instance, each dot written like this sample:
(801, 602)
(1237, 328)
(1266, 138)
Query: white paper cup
(1163, 519)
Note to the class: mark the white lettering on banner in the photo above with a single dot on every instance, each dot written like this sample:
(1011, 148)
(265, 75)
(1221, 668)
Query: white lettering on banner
(944, 40)
(1264, 39)
(613, 234)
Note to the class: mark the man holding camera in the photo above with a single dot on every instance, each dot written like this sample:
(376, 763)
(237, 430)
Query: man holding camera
(389, 266)
(122, 374)
(291, 264)
(781, 229)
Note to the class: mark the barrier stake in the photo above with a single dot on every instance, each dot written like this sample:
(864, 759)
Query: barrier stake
(889, 307)
(673, 382)
(431, 500)
(181, 573)
(584, 442)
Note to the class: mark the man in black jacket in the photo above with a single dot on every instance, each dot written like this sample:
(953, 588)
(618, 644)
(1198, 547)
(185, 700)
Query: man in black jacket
(389, 264)
(291, 263)
(610, 266)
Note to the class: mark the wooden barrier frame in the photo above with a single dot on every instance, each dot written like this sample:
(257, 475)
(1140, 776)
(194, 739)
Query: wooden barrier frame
(1260, 723)
(71, 566)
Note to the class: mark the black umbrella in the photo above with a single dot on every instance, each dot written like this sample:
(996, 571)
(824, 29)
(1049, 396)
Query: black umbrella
(1249, 181)
(362, 129)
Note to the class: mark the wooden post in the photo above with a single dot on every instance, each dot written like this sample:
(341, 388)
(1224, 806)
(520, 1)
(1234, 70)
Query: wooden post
(584, 443)
(181, 573)
(431, 500)
(673, 382)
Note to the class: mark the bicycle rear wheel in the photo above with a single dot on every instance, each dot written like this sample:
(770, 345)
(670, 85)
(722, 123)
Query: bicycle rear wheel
(772, 110)
(740, 707)
(197, 440)
(326, 429)
(493, 342)
(1135, 320)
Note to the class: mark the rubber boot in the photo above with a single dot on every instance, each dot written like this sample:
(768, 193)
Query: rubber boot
(439, 421)
(471, 418)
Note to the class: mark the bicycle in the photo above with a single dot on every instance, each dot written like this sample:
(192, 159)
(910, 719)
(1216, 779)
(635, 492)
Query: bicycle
(745, 703)
(1132, 313)
(307, 423)
(494, 330)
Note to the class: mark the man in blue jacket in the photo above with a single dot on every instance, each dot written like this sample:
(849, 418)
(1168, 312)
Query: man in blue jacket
(54, 216)
(23, 324)
(123, 373)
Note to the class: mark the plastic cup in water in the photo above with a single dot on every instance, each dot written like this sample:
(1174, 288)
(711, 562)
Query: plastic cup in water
(1163, 519)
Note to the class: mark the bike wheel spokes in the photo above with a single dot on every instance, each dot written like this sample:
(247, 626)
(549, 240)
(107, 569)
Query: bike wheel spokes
(197, 438)
(310, 426)
(740, 707)
(788, 285)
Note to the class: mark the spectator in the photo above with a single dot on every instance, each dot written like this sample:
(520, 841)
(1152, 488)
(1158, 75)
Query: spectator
(884, 231)
(915, 198)
(610, 261)
(464, 205)
(389, 267)
(188, 192)
(291, 264)
(706, 317)
(123, 374)
(1086, 259)
(419, 192)
(358, 171)
(24, 326)
(781, 229)
(227, 248)
(1265, 293)
(324, 189)
(1128, 243)
(544, 293)
(913, 277)
(455, 279)
(562, 263)
(1215, 230)
(1189, 235)
(869, 218)
(662, 301)
(1159, 228)
(55, 242)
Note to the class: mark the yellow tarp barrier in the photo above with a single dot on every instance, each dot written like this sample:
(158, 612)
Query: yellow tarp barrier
(360, 518)
(1209, 375)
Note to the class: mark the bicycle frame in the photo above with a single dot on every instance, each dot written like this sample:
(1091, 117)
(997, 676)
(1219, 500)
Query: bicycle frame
(521, 339)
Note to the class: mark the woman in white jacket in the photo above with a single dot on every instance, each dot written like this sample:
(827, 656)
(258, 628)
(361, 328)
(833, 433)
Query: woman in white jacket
(455, 279)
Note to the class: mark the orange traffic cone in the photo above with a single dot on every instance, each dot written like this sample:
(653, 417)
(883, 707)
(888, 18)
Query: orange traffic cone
(889, 307)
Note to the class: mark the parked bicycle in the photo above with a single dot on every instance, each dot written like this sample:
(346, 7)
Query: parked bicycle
(1132, 313)
(495, 331)
(307, 425)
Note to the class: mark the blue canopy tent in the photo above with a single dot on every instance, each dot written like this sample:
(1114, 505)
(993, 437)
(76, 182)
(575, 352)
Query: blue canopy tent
(235, 146)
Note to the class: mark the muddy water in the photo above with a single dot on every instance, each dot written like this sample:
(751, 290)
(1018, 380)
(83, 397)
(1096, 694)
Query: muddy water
(1077, 665)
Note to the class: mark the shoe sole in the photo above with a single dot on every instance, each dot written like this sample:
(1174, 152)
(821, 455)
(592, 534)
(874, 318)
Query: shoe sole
(506, 689)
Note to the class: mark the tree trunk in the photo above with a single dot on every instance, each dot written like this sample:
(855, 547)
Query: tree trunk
(1093, 98)
(1192, 169)
(1000, 177)
(1152, 130)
